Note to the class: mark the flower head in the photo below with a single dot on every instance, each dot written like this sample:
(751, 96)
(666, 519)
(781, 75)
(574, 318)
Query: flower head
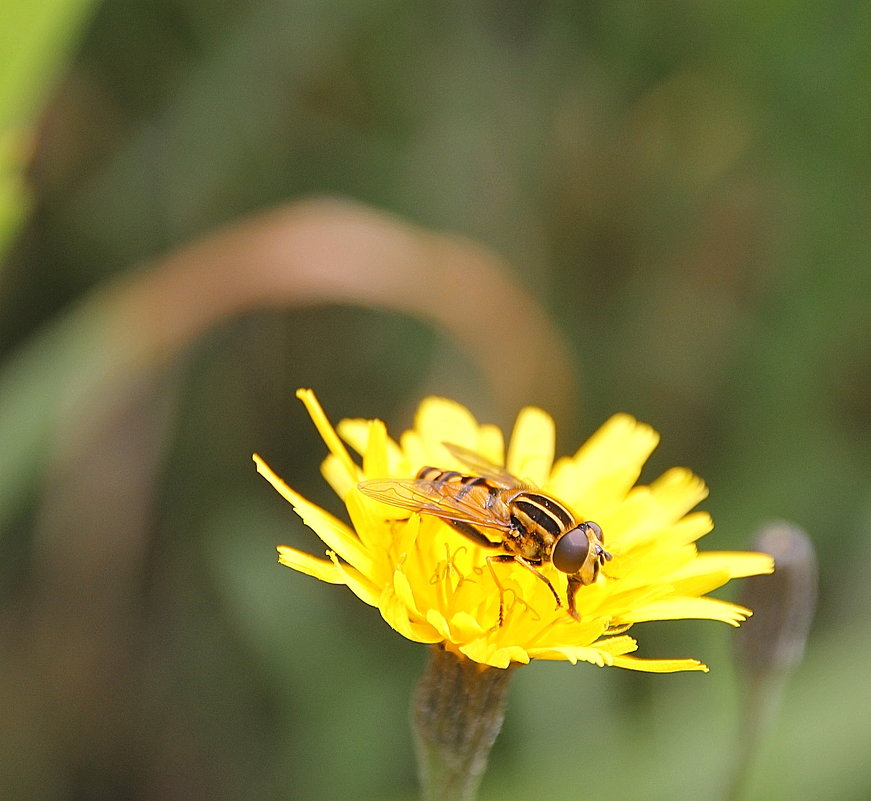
(433, 585)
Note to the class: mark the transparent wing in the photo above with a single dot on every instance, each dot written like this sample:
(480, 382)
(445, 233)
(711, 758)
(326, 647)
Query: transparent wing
(482, 466)
(449, 501)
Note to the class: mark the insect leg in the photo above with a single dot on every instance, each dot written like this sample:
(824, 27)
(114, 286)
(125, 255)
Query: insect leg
(574, 585)
(509, 557)
(476, 536)
(521, 561)
(502, 557)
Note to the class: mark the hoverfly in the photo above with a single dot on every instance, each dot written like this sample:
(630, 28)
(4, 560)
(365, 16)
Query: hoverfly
(534, 528)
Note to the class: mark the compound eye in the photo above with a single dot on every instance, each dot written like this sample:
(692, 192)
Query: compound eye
(571, 550)
(596, 529)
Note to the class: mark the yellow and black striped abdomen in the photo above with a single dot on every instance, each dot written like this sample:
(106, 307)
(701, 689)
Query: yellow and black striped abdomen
(463, 487)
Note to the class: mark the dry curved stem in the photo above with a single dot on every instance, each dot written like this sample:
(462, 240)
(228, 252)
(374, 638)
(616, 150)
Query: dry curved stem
(337, 251)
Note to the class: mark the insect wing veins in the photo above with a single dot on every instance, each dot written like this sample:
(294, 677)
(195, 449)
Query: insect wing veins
(482, 466)
(434, 498)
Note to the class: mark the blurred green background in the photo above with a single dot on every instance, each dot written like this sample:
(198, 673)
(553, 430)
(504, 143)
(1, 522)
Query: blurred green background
(679, 195)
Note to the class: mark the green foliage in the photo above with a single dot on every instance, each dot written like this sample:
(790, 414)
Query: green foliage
(35, 42)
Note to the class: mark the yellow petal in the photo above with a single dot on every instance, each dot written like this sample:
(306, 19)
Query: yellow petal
(438, 621)
(331, 530)
(373, 531)
(466, 626)
(404, 592)
(675, 492)
(491, 444)
(414, 452)
(573, 654)
(620, 440)
(690, 528)
(483, 651)
(336, 475)
(327, 432)
(531, 448)
(737, 563)
(713, 569)
(357, 433)
(659, 665)
(441, 420)
(375, 462)
(310, 565)
(682, 608)
(364, 589)
(605, 467)
(395, 614)
(601, 652)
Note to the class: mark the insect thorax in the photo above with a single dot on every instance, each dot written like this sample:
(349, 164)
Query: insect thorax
(538, 522)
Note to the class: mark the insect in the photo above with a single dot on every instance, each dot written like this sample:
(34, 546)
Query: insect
(533, 527)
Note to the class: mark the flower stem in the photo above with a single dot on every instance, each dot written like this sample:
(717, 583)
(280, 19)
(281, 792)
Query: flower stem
(458, 711)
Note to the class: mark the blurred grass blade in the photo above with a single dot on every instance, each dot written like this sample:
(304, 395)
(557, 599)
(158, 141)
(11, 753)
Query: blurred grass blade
(35, 40)
(14, 199)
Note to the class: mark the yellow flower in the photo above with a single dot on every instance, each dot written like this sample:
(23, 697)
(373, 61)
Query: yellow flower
(433, 585)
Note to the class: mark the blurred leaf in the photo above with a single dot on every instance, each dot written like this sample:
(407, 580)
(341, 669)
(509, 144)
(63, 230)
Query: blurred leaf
(35, 39)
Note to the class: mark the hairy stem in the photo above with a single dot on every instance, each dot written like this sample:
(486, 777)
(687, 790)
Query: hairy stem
(458, 711)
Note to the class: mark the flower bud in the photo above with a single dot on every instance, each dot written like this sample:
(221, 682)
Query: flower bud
(783, 603)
